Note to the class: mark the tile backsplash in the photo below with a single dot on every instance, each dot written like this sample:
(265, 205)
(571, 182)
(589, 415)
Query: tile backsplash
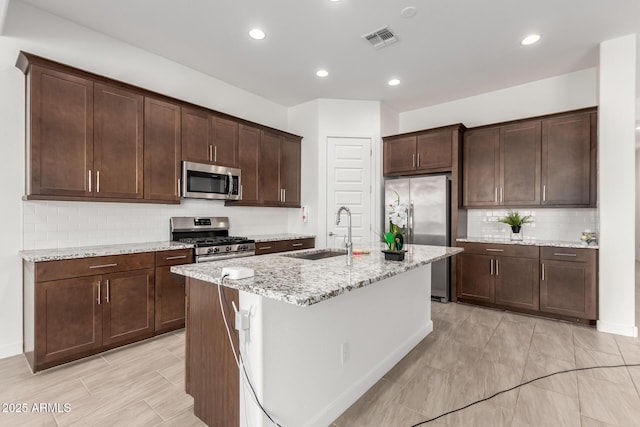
(548, 224)
(57, 224)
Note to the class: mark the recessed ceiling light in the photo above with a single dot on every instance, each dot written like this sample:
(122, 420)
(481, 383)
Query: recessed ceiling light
(530, 39)
(393, 82)
(322, 73)
(408, 12)
(257, 34)
(334, 1)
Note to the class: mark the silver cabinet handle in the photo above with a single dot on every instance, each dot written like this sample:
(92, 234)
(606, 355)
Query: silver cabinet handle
(413, 160)
(491, 266)
(501, 194)
(281, 195)
(89, 180)
(215, 153)
(561, 254)
(97, 181)
(296, 244)
(495, 195)
(497, 270)
(108, 291)
(494, 250)
(240, 192)
(103, 265)
(176, 257)
(418, 159)
(544, 193)
(284, 195)
(178, 193)
(210, 152)
(99, 292)
(543, 271)
(265, 247)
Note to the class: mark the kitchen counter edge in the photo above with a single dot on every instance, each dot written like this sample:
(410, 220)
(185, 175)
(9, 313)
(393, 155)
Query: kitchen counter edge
(551, 243)
(41, 255)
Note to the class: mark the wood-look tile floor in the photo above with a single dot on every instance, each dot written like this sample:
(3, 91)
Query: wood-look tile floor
(472, 353)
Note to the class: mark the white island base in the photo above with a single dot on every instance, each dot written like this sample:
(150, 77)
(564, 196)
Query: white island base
(309, 364)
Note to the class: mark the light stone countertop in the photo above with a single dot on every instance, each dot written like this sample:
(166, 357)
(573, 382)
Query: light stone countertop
(280, 236)
(40, 255)
(530, 242)
(305, 282)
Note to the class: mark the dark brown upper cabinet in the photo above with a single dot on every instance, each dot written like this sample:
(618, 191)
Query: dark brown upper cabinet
(161, 150)
(117, 144)
(569, 160)
(290, 159)
(549, 161)
(248, 155)
(207, 138)
(59, 133)
(421, 152)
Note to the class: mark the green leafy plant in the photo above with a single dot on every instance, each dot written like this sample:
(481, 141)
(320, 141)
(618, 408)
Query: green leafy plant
(514, 219)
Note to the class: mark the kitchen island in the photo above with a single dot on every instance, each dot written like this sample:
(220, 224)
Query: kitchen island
(320, 332)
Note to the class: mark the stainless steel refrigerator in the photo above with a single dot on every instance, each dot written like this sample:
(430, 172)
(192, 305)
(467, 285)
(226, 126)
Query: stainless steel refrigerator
(429, 200)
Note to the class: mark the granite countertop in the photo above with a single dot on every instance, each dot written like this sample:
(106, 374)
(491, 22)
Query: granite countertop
(578, 244)
(95, 251)
(305, 282)
(280, 236)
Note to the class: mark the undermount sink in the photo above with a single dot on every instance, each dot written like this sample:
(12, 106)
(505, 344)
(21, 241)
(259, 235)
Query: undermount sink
(328, 253)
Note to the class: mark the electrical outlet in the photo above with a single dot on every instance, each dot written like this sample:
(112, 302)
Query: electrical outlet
(345, 352)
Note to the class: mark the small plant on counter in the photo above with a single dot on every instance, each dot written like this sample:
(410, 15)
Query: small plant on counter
(515, 220)
(398, 216)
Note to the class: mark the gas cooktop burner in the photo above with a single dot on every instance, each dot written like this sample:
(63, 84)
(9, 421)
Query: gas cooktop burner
(212, 241)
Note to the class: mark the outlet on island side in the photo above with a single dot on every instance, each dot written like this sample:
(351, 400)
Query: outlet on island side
(344, 352)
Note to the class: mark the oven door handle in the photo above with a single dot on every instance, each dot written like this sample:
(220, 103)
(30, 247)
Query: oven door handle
(205, 258)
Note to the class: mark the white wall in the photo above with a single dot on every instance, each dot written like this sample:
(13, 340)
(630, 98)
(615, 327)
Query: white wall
(555, 94)
(51, 224)
(616, 181)
(548, 224)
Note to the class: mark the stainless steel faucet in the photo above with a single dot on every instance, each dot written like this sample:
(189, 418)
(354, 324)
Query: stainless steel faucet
(349, 243)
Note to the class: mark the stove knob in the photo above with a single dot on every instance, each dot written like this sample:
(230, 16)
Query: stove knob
(228, 249)
(209, 250)
(216, 250)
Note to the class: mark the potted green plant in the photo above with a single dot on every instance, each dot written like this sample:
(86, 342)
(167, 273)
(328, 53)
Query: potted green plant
(398, 218)
(516, 221)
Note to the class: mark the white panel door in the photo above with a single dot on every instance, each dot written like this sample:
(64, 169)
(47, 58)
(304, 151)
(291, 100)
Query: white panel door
(349, 184)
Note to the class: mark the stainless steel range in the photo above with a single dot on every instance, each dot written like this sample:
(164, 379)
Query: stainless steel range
(210, 235)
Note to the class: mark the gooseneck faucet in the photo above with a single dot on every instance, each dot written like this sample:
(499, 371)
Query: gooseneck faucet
(349, 242)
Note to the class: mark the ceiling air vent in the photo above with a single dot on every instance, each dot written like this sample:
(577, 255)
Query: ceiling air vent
(380, 38)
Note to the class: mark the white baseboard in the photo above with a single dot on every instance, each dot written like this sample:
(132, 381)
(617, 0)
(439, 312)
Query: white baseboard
(614, 328)
(353, 393)
(10, 350)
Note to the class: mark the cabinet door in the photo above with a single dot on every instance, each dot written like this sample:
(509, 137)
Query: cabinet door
(475, 278)
(225, 141)
(568, 288)
(248, 154)
(517, 282)
(434, 150)
(118, 143)
(127, 306)
(170, 300)
(161, 150)
(290, 158)
(520, 164)
(68, 318)
(399, 154)
(270, 185)
(196, 136)
(567, 151)
(61, 132)
(481, 167)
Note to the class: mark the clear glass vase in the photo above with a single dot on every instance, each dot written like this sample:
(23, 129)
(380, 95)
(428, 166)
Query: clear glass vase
(516, 233)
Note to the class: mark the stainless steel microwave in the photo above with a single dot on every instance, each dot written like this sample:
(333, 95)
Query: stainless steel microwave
(202, 181)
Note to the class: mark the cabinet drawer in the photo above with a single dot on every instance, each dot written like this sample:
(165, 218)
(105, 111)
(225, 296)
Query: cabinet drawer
(266, 248)
(174, 257)
(521, 251)
(295, 245)
(70, 268)
(568, 254)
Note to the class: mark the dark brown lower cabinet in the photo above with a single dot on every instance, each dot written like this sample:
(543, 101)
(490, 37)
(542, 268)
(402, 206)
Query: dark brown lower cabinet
(568, 282)
(127, 307)
(549, 281)
(71, 312)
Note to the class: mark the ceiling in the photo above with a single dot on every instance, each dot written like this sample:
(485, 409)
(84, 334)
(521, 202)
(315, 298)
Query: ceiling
(450, 49)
